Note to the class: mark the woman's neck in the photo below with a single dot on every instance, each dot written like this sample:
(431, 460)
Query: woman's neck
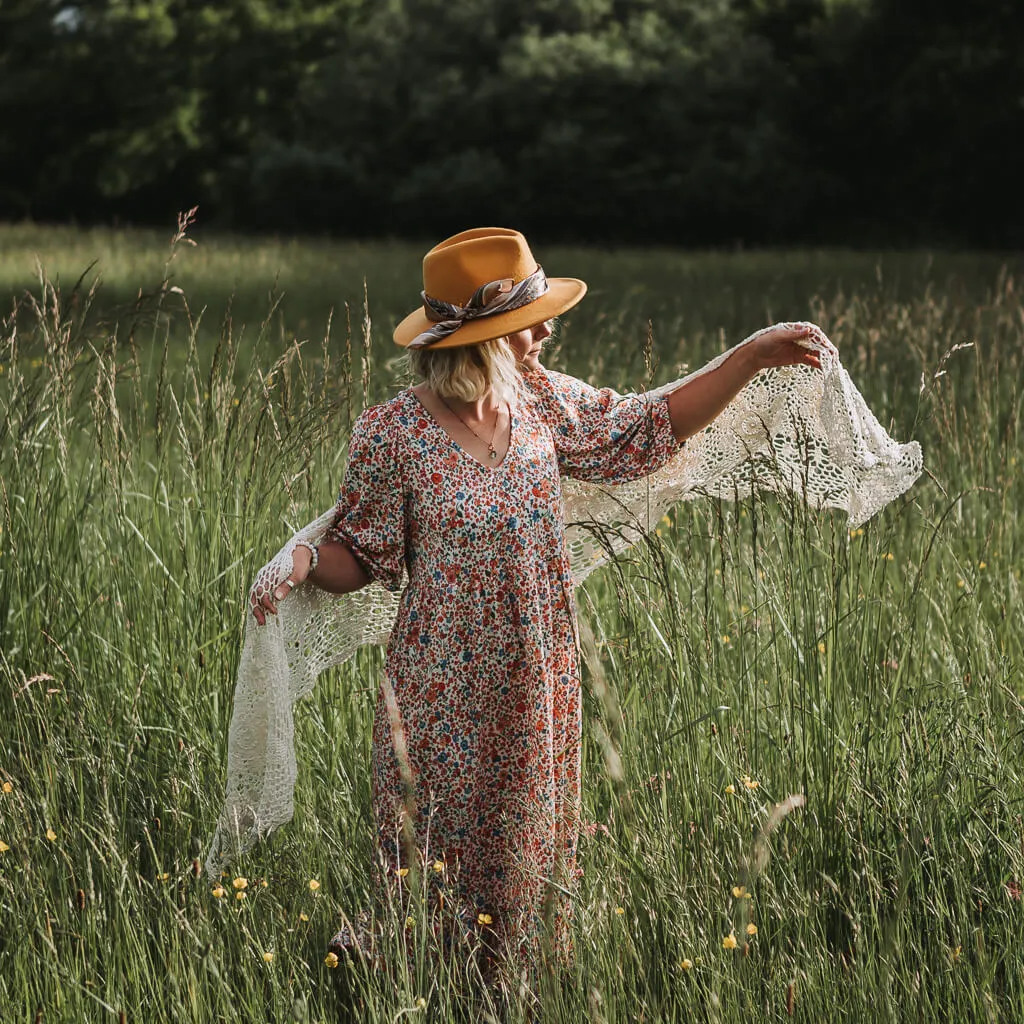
(482, 409)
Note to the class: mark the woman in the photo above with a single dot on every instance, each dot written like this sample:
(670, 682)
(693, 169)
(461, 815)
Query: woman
(453, 495)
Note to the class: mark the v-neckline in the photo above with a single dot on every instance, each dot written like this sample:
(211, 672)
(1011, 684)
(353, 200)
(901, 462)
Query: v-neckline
(512, 423)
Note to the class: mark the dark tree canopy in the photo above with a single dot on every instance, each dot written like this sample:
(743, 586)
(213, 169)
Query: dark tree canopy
(677, 121)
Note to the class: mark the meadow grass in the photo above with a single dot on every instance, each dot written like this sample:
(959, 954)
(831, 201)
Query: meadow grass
(153, 458)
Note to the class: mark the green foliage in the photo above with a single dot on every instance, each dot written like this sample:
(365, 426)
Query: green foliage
(681, 121)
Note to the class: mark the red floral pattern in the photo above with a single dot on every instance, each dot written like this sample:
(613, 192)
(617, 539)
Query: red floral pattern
(482, 659)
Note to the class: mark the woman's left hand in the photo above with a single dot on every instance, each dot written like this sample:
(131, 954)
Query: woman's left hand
(780, 346)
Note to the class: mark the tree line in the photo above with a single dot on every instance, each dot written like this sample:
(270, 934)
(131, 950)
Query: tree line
(722, 122)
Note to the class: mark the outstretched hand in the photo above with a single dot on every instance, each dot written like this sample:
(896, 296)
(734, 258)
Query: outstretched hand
(301, 561)
(785, 346)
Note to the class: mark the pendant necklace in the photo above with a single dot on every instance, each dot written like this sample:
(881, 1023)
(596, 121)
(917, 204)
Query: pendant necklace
(491, 453)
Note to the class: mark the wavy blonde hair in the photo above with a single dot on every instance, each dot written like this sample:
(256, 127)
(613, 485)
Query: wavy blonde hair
(469, 372)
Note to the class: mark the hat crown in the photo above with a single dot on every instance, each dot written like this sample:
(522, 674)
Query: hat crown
(455, 268)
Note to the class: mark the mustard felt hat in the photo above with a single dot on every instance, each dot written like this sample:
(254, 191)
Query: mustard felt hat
(483, 284)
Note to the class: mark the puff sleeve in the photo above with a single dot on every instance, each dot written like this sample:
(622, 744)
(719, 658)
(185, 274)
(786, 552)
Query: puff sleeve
(600, 435)
(370, 513)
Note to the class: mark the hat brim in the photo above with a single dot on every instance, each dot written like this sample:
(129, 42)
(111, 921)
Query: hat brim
(563, 293)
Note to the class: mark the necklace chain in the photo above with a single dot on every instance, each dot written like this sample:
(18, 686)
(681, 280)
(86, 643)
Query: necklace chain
(491, 452)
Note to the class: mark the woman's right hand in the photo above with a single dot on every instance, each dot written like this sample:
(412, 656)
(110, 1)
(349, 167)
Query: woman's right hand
(302, 559)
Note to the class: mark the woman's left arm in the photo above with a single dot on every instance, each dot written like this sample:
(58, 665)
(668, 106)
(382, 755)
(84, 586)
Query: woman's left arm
(693, 405)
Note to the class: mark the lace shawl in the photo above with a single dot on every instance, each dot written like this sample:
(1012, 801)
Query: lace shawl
(791, 429)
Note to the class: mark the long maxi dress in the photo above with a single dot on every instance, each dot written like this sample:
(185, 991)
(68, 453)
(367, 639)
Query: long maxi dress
(482, 659)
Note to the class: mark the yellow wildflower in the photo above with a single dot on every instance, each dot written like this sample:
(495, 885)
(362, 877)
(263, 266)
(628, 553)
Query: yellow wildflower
(739, 891)
(240, 895)
(3, 847)
(955, 953)
(729, 942)
(164, 876)
(821, 646)
(888, 556)
(7, 787)
(268, 957)
(983, 565)
(51, 835)
(409, 922)
(331, 959)
(750, 783)
(620, 911)
(263, 883)
(303, 916)
(401, 872)
(686, 963)
(421, 1003)
(439, 866)
(751, 929)
(484, 919)
(218, 891)
(730, 789)
(725, 638)
(960, 583)
(241, 883)
(313, 885)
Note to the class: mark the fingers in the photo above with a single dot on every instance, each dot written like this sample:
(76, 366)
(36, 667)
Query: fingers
(266, 604)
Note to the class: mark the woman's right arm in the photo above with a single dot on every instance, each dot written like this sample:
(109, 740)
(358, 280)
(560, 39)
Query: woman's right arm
(337, 571)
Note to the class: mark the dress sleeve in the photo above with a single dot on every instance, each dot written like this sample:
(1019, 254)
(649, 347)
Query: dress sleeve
(600, 435)
(370, 513)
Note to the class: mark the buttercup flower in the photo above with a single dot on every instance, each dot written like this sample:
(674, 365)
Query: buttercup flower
(751, 929)
(484, 919)
(620, 911)
(218, 891)
(313, 885)
(686, 963)
(51, 835)
(730, 789)
(303, 917)
(739, 891)
(268, 957)
(3, 847)
(401, 872)
(750, 783)
(241, 883)
(439, 866)
(7, 787)
(331, 959)
(240, 895)
(729, 942)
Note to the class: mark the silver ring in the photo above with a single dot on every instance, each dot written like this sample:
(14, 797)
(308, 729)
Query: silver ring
(290, 582)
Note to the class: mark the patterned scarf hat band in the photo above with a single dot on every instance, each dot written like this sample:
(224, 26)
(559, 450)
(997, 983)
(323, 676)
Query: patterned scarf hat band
(489, 299)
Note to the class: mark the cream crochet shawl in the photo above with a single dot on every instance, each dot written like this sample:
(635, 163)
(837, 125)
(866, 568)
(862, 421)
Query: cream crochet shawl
(790, 429)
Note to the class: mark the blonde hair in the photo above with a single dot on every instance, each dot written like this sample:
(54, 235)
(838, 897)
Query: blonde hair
(469, 372)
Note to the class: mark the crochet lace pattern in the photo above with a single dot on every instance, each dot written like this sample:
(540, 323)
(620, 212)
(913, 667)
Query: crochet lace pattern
(791, 429)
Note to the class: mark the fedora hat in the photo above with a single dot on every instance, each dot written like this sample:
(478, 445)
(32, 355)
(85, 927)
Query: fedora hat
(483, 284)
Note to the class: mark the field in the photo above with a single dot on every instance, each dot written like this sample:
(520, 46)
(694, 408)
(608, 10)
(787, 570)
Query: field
(165, 426)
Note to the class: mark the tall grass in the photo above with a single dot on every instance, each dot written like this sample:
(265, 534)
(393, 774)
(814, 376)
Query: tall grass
(153, 456)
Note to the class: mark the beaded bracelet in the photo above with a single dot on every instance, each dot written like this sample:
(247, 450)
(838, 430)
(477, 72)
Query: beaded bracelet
(314, 552)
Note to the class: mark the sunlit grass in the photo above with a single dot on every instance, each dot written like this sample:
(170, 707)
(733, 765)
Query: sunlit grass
(751, 655)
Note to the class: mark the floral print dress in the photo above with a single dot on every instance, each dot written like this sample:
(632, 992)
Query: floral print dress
(485, 722)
